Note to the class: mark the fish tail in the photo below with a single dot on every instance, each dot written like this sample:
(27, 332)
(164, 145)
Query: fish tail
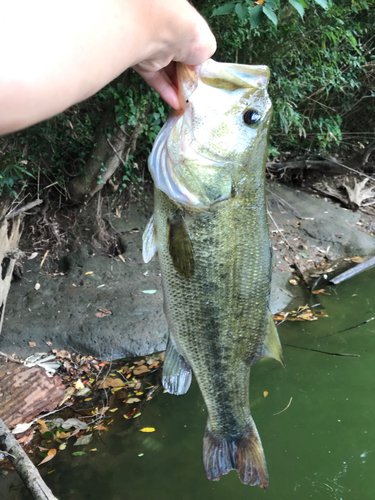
(243, 453)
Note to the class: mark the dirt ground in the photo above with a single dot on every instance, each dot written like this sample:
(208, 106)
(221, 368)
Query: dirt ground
(110, 306)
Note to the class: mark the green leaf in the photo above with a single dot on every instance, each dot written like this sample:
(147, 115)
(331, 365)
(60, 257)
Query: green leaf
(227, 8)
(304, 4)
(256, 16)
(270, 14)
(299, 8)
(77, 453)
(241, 11)
(322, 3)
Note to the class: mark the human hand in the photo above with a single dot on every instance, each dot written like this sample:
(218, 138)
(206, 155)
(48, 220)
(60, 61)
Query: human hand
(189, 41)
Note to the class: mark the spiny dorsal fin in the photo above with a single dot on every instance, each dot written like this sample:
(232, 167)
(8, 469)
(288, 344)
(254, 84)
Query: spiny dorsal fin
(149, 240)
(272, 347)
(180, 247)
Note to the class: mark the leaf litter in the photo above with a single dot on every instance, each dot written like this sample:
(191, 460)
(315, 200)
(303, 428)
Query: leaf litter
(112, 385)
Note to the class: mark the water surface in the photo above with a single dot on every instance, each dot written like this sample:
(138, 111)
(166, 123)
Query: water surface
(321, 447)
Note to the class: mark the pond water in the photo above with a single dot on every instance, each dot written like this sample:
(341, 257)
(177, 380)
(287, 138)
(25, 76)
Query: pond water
(321, 447)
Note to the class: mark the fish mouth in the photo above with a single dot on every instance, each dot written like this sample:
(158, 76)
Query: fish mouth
(187, 82)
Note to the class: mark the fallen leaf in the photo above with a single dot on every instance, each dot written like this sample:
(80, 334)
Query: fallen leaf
(265, 393)
(105, 311)
(63, 354)
(69, 393)
(122, 258)
(43, 427)
(62, 446)
(137, 415)
(147, 429)
(63, 435)
(113, 410)
(78, 453)
(89, 272)
(100, 315)
(79, 385)
(50, 455)
(32, 344)
(94, 449)
(293, 282)
(139, 393)
(358, 260)
(141, 369)
(130, 401)
(19, 428)
(49, 343)
(112, 382)
(81, 441)
(32, 256)
(130, 413)
(26, 439)
(148, 291)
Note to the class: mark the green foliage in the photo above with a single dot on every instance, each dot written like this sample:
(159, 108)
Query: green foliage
(321, 56)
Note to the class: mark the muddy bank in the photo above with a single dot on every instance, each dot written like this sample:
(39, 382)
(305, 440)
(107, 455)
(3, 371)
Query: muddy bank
(64, 307)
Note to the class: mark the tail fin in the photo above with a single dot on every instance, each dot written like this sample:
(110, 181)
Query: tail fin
(243, 453)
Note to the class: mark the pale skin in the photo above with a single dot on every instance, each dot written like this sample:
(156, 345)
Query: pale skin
(55, 54)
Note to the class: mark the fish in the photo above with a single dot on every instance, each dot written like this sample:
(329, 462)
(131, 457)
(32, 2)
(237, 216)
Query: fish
(210, 232)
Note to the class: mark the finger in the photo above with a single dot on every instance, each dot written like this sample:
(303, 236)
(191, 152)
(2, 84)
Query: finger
(161, 82)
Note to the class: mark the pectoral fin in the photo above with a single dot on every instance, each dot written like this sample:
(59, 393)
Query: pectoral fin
(176, 372)
(149, 241)
(180, 247)
(272, 347)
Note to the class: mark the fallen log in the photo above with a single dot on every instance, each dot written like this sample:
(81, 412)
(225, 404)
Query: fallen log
(359, 268)
(23, 465)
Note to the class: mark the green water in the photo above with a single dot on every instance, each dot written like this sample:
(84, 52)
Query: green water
(321, 447)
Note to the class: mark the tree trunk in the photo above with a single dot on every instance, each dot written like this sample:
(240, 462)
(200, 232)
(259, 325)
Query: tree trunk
(10, 233)
(23, 465)
(111, 150)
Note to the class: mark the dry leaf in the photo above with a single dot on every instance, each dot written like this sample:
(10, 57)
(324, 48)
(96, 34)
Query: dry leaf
(140, 370)
(137, 415)
(122, 258)
(37, 286)
(32, 256)
(112, 382)
(105, 311)
(63, 435)
(265, 393)
(358, 260)
(293, 282)
(89, 272)
(49, 457)
(49, 343)
(100, 315)
(130, 401)
(94, 449)
(26, 439)
(32, 344)
(43, 427)
(147, 429)
(79, 385)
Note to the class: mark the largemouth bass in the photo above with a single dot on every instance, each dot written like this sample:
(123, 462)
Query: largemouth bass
(210, 231)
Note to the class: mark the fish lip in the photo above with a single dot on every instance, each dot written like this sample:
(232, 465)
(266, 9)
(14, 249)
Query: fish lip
(185, 90)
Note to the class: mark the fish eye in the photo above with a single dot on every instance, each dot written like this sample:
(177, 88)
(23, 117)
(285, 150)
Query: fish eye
(251, 116)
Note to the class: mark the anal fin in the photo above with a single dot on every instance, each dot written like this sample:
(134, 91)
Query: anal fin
(272, 347)
(176, 372)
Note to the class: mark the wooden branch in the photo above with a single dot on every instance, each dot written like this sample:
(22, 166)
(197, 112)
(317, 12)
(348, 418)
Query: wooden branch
(30, 205)
(23, 465)
(354, 271)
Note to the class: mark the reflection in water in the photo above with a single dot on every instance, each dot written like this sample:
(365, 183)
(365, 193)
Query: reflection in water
(320, 448)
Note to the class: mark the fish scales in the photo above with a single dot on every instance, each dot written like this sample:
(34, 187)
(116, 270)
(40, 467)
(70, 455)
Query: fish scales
(210, 231)
(221, 300)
